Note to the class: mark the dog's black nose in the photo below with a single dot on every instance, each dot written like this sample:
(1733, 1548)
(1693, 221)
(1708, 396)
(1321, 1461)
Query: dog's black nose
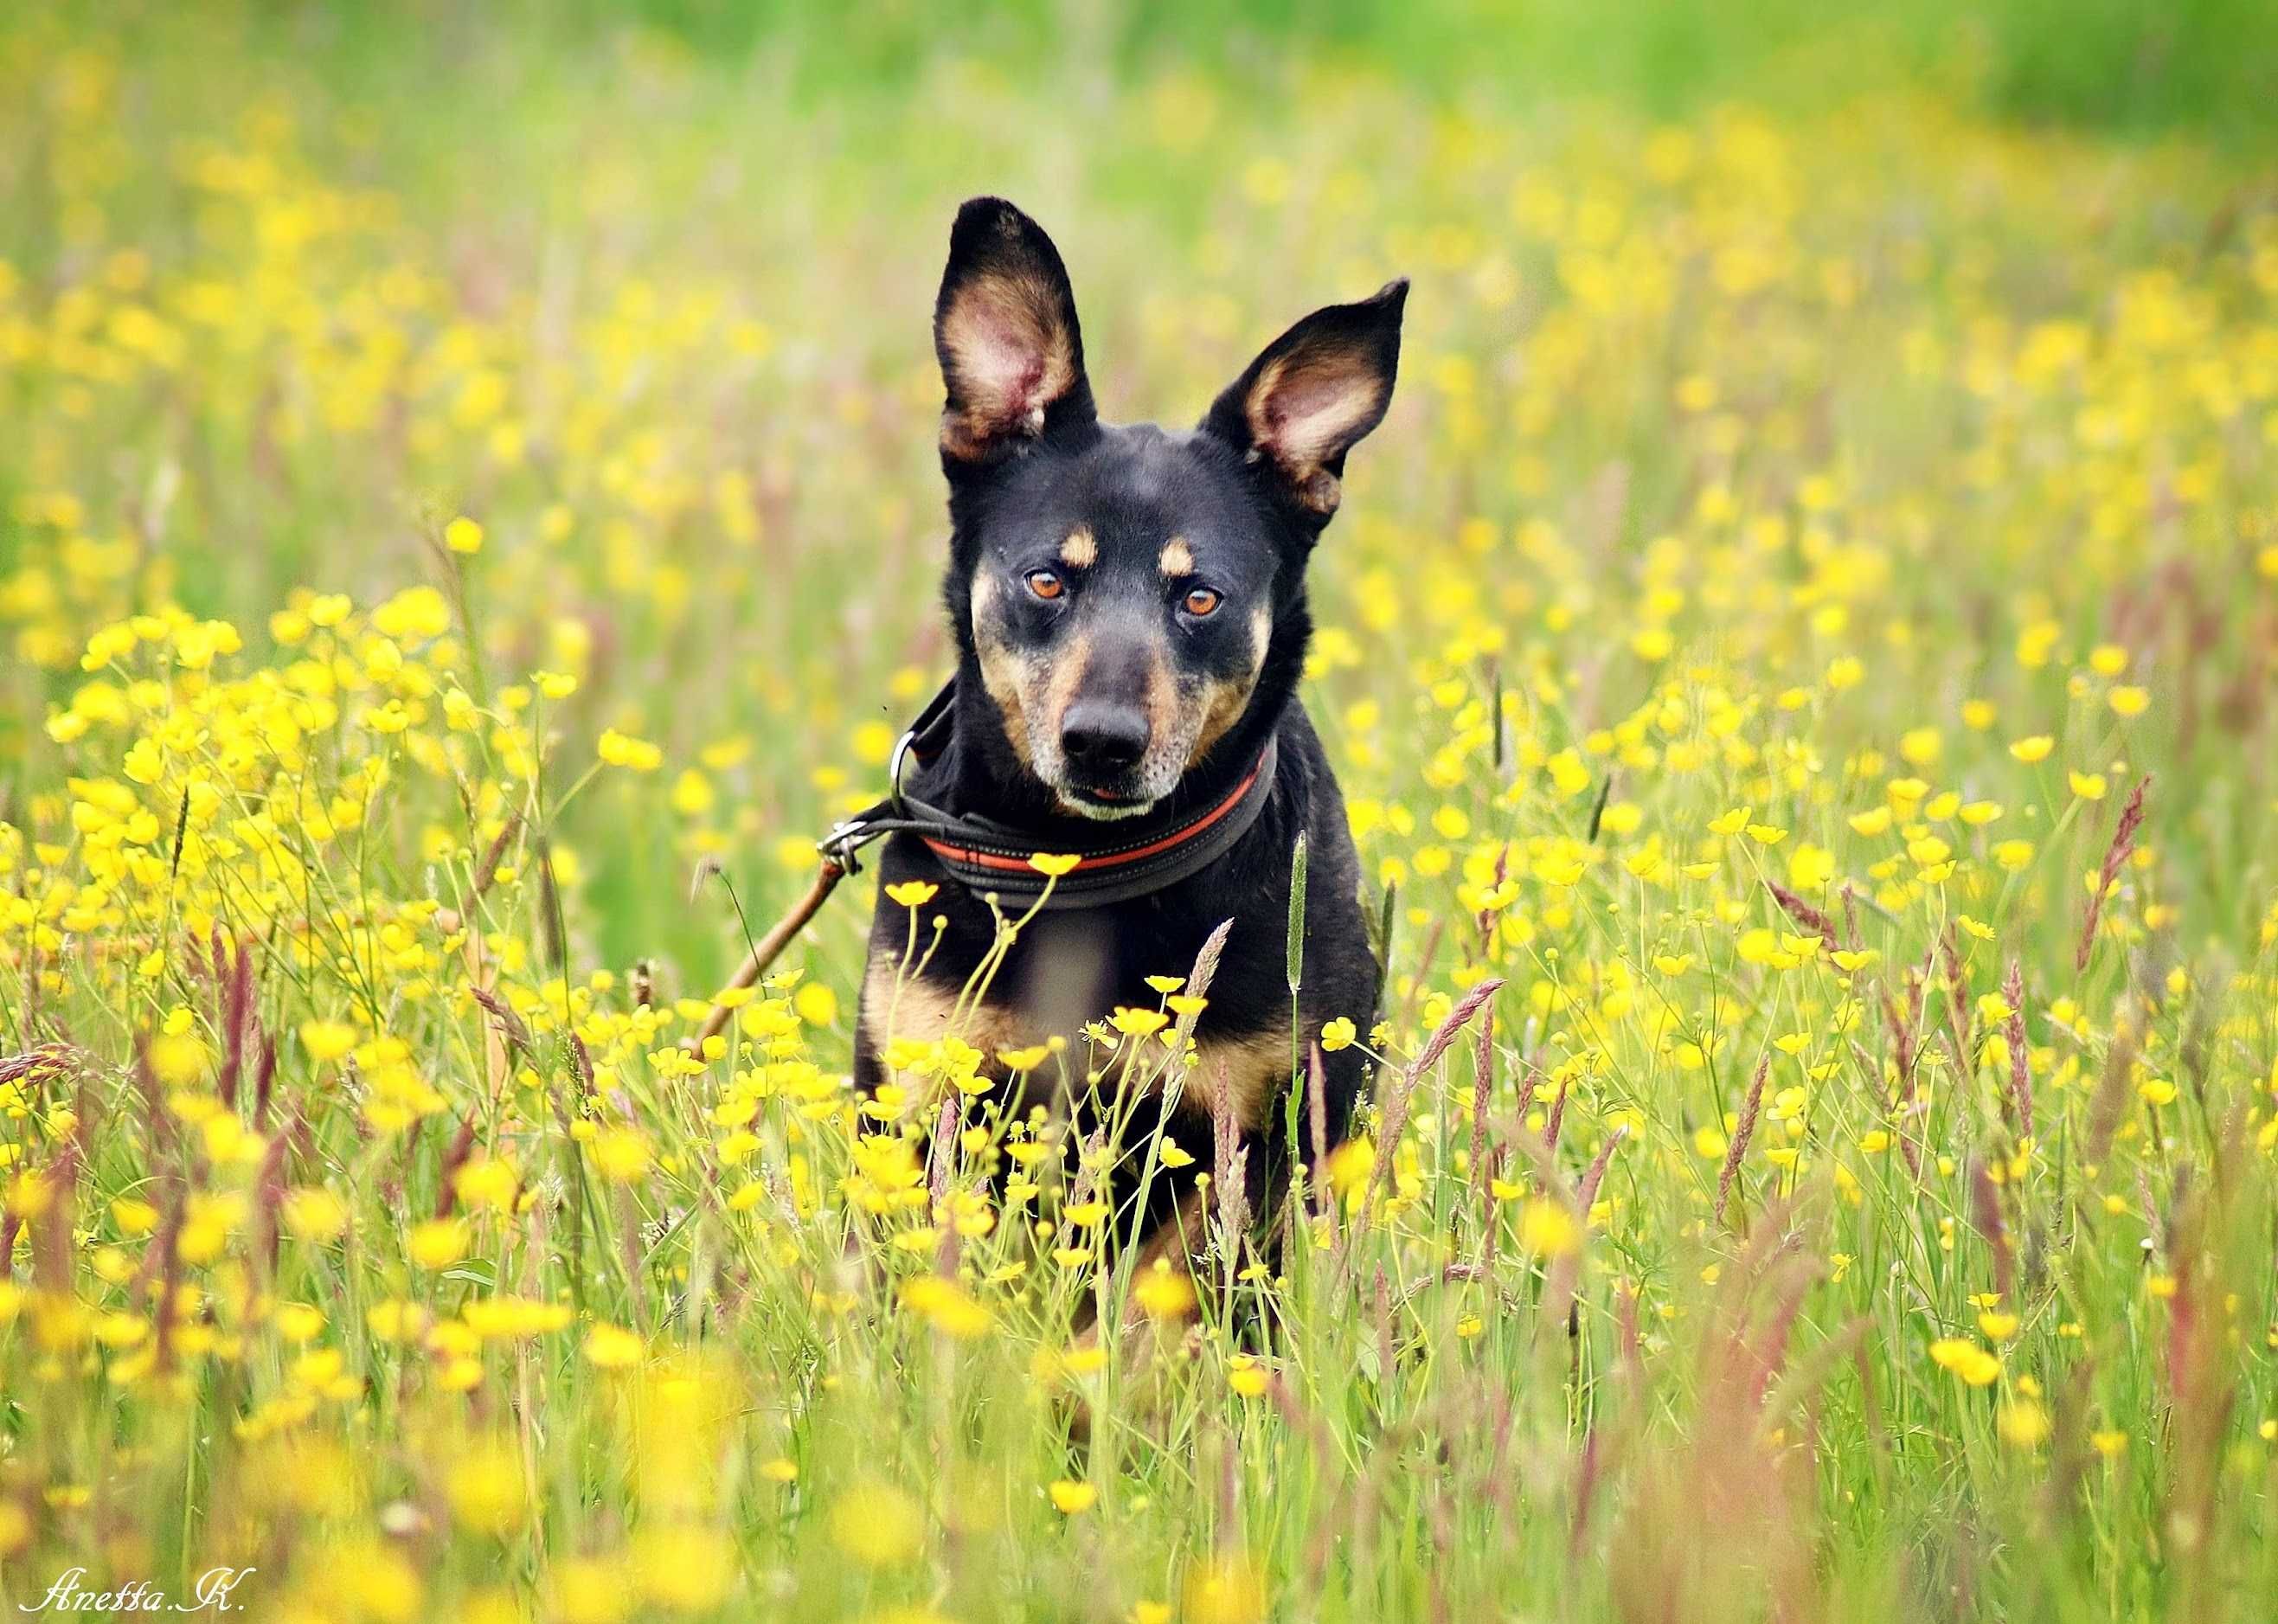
(1101, 740)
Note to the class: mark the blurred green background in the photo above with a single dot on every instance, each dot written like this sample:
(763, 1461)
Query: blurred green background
(2141, 67)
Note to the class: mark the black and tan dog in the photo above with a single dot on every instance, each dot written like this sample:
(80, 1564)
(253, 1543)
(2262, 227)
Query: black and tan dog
(1130, 615)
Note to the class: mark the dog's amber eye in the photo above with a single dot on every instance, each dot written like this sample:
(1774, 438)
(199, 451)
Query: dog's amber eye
(1046, 585)
(1202, 600)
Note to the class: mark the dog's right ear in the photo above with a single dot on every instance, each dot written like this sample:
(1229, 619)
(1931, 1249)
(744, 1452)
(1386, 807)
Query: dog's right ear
(1004, 327)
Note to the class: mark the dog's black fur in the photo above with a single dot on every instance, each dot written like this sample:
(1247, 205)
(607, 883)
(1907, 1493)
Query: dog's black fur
(1130, 616)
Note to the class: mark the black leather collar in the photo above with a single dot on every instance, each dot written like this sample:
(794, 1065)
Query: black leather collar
(1122, 861)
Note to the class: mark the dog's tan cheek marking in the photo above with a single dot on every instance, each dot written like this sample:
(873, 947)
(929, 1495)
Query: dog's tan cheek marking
(1176, 558)
(923, 1012)
(1224, 698)
(1003, 673)
(1081, 550)
(1253, 1071)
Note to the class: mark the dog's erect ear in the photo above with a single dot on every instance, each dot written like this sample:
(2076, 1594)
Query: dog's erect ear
(1313, 394)
(1004, 327)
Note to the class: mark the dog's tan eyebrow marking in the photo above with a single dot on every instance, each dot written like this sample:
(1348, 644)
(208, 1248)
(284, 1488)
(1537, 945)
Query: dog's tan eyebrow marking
(1177, 558)
(1080, 551)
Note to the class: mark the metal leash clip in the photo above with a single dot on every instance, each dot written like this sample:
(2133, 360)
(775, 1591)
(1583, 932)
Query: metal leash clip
(846, 836)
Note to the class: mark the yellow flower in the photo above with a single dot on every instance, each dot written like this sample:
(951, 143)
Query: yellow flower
(2036, 748)
(463, 535)
(486, 1183)
(620, 1154)
(2014, 856)
(438, 1244)
(2023, 1423)
(376, 1582)
(1547, 1229)
(1163, 1292)
(588, 1590)
(1338, 1033)
(622, 750)
(1138, 1023)
(878, 1524)
(2087, 785)
(1224, 1590)
(946, 1306)
(485, 1487)
(817, 1003)
(912, 893)
(2130, 702)
(612, 1347)
(1966, 1360)
(315, 1214)
(179, 1060)
(1072, 1498)
(683, 1567)
(327, 1040)
(1053, 866)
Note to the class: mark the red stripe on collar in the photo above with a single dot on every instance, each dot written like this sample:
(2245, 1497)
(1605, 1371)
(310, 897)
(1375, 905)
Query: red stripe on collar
(1107, 860)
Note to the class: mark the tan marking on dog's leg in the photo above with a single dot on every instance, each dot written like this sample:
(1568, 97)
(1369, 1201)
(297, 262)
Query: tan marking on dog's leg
(1176, 559)
(1081, 550)
(1255, 1070)
(923, 1012)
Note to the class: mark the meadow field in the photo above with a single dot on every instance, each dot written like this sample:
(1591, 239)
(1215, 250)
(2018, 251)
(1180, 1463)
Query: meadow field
(1800, 657)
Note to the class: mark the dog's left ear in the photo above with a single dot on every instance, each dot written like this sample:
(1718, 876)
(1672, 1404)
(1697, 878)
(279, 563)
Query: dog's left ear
(1313, 394)
(1005, 328)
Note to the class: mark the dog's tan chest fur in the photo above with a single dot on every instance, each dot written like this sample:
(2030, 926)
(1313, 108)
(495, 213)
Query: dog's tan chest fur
(1249, 1071)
